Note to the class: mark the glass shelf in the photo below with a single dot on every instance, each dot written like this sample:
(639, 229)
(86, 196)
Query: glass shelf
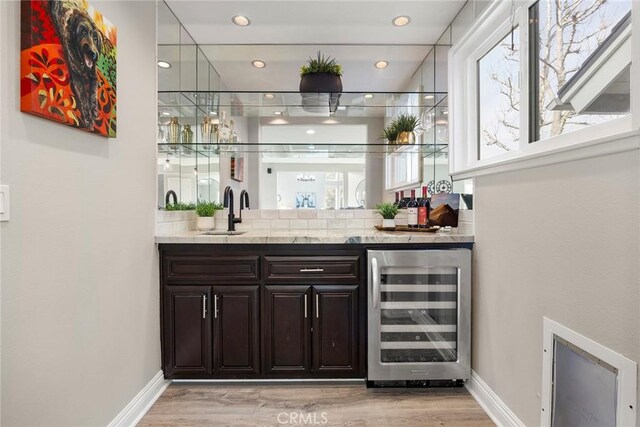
(296, 104)
(324, 149)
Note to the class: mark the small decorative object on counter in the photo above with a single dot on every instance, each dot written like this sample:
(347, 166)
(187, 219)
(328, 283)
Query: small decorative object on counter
(206, 215)
(388, 212)
(187, 134)
(206, 129)
(173, 127)
(444, 209)
(405, 125)
(412, 211)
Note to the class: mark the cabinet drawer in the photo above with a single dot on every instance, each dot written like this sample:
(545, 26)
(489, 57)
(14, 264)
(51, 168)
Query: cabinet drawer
(312, 269)
(214, 269)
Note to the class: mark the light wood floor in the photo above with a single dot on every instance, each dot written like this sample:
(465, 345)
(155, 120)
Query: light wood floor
(313, 405)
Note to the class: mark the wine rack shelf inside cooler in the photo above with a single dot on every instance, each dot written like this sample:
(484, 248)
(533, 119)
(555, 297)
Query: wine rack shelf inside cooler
(418, 314)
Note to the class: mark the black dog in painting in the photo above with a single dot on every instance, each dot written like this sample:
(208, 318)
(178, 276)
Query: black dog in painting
(82, 43)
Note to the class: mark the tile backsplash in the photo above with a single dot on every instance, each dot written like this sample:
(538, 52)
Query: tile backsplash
(293, 220)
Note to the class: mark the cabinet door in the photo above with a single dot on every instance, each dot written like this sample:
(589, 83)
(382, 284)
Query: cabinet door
(287, 327)
(187, 331)
(236, 324)
(335, 330)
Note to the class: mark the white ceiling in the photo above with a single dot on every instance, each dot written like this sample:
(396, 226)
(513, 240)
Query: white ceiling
(285, 33)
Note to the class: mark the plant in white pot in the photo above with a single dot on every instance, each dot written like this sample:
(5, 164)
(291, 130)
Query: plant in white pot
(388, 212)
(206, 212)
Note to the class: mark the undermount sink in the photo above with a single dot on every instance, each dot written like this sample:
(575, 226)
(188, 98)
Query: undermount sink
(222, 233)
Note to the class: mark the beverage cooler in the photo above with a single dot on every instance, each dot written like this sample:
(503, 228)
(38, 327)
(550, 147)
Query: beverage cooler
(419, 315)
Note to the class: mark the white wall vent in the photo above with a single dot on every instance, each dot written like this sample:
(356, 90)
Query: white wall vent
(584, 383)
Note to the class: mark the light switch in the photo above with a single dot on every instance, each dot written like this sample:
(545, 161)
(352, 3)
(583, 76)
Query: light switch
(5, 205)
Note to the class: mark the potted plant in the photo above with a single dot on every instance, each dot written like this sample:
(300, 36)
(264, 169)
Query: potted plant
(321, 75)
(320, 84)
(390, 133)
(405, 125)
(388, 212)
(206, 212)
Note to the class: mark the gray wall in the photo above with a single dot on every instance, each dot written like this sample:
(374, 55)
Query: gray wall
(560, 241)
(80, 330)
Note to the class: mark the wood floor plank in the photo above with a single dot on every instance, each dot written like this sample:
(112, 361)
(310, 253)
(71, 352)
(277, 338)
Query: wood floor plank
(308, 405)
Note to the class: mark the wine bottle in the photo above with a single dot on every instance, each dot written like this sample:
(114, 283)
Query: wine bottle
(402, 203)
(412, 211)
(423, 210)
(397, 202)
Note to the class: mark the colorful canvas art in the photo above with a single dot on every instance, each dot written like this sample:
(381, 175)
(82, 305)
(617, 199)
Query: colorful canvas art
(68, 64)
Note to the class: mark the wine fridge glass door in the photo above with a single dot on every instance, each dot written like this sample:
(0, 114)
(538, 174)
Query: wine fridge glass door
(418, 314)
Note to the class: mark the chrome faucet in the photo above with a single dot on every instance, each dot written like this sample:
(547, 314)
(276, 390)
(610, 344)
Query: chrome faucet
(244, 202)
(167, 198)
(228, 203)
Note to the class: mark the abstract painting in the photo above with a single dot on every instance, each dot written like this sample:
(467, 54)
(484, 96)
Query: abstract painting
(237, 168)
(68, 64)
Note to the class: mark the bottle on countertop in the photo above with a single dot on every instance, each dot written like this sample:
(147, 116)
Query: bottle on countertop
(397, 202)
(423, 210)
(402, 203)
(412, 211)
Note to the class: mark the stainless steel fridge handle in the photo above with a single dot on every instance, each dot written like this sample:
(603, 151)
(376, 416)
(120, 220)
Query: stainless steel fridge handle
(375, 283)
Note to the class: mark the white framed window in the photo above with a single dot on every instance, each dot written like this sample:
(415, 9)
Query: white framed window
(534, 80)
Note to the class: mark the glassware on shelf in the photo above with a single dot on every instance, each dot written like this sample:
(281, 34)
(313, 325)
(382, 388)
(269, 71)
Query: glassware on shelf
(160, 134)
(187, 134)
(206, 130)
(224, 130)
(173, 136)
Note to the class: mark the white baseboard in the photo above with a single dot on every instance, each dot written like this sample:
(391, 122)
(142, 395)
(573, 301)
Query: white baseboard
(497, 410)
(141, 403)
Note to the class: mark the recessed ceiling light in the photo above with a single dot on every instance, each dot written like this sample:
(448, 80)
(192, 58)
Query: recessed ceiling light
(164, 64)
(310, 132)
(258, 63)
(269, 96)
(381, 64)
(277, 113)
(428, 97)
(241, 21)
(401, 21)
(368, 95)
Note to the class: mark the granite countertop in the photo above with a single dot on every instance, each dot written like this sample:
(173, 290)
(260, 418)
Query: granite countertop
(327, 237)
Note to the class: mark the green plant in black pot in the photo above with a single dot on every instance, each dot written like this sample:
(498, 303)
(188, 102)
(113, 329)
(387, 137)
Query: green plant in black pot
(321, 75)
(405, 125)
